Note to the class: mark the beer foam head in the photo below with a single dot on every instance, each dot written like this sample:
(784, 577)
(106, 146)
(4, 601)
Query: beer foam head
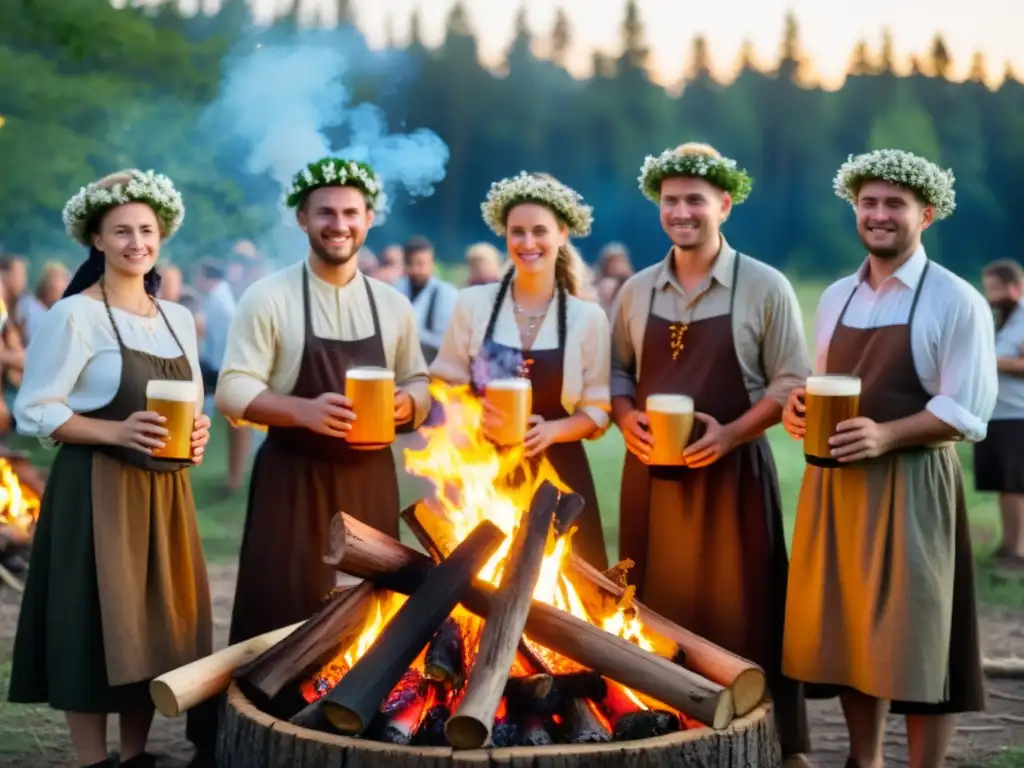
(833, 386)
(172, 391)
(670, 403)
(370, 374)
(509, 384)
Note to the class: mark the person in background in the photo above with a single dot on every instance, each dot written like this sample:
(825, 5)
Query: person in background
(14, 273)
(218, 312)
(532, 324)
(484, 262)
(170, 283)
(49, 288)
(614, 262)
(367, 262)
(881, 601)
(117, 592)
(724, 329)
(999, 458)
(392, 264)
(608, 291)
(433, 299)
(192, 300)
(295, 335)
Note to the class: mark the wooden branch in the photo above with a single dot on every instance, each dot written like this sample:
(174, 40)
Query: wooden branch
(333, 627)
(583, 726)
(183, 688)
(1007, 667)
(611, 656)
(350, 706)
(745, 680)
(366, 551)
(469, 727)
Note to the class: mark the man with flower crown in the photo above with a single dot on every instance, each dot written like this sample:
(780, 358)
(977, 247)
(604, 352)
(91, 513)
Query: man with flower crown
(725, 330)
(881, 598)
(294, 336)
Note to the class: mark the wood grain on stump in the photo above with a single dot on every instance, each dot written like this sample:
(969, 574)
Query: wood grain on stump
(251, 739)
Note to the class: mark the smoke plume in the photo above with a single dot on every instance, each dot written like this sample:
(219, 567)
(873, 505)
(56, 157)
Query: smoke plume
(285, 102)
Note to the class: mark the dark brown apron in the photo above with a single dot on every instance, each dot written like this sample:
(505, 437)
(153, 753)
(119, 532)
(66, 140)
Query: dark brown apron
(117, 592)
(708, 543)
(569, 460)
(879, 562)
(300, 480)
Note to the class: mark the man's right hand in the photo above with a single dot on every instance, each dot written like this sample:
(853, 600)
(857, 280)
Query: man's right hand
(793, 419)
(639, 440)
(329, 414)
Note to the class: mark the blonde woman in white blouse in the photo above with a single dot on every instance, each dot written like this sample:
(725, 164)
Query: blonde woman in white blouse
(117, 593)
(534, 324)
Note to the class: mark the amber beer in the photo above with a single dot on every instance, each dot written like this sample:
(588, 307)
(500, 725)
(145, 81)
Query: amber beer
(828, 400)
(372, 392)
(175, 400)
(514, 398)
(670, 420)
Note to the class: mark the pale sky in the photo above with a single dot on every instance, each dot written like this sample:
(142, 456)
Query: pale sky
(829, 28)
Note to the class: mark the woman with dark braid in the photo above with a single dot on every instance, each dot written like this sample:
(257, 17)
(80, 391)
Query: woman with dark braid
(117, 592)
(534, 324)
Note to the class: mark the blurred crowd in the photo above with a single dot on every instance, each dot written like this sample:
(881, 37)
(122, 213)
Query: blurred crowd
(210, 289)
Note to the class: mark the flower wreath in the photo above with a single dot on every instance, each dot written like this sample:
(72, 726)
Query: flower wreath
(723, 172)
(337, 172)
(527, 188)
(905, 169)
(154, 189)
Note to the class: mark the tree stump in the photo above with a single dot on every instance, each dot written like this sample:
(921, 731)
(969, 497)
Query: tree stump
(250, 738)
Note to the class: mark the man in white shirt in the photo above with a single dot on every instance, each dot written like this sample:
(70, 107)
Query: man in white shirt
(999, 458)
(433, 299)
(881, 601)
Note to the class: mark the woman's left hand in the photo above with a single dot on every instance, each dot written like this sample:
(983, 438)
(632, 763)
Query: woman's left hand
(200, 437)
(540, 436)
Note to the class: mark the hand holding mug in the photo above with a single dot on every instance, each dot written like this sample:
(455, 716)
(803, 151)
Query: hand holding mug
(200, 437)
(540, 436)
(793, 418)
(635, 429)
(404, 407)
(329, 414)
(142, 431)
(492, 419)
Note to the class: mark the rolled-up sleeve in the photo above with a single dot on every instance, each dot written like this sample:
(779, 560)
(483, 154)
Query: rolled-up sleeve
(968, 376)
(595, 359)
(410, 365)
(623, 352)
(55, 358)
(786, 359)
(249, 355)
(453, 361)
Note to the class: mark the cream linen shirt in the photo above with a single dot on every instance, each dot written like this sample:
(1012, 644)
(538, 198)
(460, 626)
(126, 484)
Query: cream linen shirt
(266, 340)
(952, 337)
(767, 327)
(73, 363)
(586, 363)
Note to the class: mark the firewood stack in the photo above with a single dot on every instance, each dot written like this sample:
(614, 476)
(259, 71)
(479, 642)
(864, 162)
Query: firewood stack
(425, 652)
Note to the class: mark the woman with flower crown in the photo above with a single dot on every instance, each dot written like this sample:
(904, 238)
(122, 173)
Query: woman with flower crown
(534, 324)
(117, 593)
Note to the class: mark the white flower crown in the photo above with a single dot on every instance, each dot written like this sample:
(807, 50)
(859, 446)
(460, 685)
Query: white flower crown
(723, 172)
(526, 188)
(337, 172)
(905, 169)
(154, 189)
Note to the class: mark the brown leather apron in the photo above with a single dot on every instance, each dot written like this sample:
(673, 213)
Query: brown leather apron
(881, 598)
(708, 543)
(300, 480)
(125, 597)
(569, 460)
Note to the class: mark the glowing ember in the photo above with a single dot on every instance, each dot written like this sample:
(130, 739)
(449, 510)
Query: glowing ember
(19, 506)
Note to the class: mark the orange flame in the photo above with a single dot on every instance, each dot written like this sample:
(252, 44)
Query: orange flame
(19, 505)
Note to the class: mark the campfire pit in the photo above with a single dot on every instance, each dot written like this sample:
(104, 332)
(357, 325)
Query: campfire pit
(21, 487)
(498, 646)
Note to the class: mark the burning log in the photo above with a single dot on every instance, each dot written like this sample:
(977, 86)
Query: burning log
(645, 724)
(183, 688)
(349, 707)
(583, 724)
(744, 679)
(431, 730)
(367, 553)
(534, 732)
(401, 712)
(545, 694)
(333, 627)
(536, 687)
(619, 573)
(611, 656)
(470, 725)
(446, 655)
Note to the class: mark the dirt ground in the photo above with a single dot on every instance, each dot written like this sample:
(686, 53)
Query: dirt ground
(978, 736)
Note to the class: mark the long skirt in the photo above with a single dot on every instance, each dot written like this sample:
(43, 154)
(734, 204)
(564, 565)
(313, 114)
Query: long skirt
(91, 638)
(881, 590)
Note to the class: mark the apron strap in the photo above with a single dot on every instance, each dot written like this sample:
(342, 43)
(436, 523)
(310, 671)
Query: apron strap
(917, 294)
(117, 333)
